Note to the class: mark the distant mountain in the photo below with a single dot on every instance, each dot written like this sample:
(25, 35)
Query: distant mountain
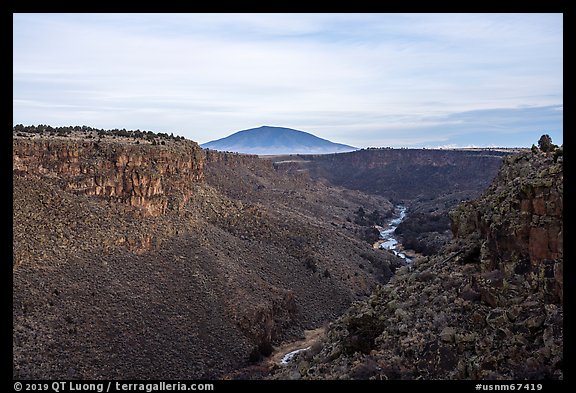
(276, 140)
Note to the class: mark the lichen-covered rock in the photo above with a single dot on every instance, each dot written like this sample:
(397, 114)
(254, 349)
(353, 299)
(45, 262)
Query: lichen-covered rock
(519, 219)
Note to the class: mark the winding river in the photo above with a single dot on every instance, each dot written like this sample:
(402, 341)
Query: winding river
(387, 240)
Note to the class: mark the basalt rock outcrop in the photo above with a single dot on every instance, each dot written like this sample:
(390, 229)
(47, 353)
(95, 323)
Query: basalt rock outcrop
(489, 306)
(520, 220)
(154, 178)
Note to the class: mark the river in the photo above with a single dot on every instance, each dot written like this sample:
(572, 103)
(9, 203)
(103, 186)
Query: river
(387, 240)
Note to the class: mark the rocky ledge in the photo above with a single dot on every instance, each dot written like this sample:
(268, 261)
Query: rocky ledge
(154, 178)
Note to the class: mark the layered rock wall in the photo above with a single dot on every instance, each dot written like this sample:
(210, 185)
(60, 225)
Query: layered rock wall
(154, 178)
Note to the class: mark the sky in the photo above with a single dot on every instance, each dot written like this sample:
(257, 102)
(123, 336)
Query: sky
(367, 80)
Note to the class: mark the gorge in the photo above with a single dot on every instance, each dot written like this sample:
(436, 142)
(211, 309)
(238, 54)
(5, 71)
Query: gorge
(138, 259)
(488, 306)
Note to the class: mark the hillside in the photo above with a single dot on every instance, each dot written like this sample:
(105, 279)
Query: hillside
(136, 259)
(268, 140)
(488, 306)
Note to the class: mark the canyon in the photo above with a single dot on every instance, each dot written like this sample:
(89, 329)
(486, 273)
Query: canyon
(150, 261)
(428, 182)
(156, 259)
(488, 306)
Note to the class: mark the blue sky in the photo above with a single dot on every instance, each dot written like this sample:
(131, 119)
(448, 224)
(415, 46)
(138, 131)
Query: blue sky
(400, 80)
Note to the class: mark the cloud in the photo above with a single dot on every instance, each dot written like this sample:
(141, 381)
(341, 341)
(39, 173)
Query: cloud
(346, 75)
(513, 127)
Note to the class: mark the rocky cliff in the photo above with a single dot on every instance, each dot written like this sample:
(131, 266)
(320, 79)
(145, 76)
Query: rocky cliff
(520, 221)
(153, 178)
(489, 306)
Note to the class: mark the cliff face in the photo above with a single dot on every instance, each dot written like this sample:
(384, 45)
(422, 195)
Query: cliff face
(152, 178)
(489, 306)
(520, 221)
